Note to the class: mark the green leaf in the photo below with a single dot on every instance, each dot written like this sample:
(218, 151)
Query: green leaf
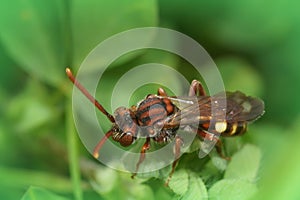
(244, 164)
(94, 21)
(32, 33)
(142, 192)
(8, 70)
(105, 180)
(36, 193)
(31, 108)
(220, 163)
(196, 190)
(20, 178)
(44, 39)
(179, 182)
(239, 75)
(112, 184)
(11, 192)
(231, 190)
(281, 177)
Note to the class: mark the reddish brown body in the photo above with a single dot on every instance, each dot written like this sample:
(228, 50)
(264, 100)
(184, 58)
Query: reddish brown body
(158, 118)
(151, 114)
(146, 120)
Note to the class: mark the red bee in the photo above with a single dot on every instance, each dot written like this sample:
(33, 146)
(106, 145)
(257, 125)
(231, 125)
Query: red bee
(159, 117)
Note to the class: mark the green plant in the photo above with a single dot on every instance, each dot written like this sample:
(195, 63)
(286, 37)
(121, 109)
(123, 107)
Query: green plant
(254, 44)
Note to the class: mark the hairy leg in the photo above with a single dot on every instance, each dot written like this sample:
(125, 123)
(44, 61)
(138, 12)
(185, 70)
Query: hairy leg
(212, 137)
(196, 89)
(145, 147)
(177, 147)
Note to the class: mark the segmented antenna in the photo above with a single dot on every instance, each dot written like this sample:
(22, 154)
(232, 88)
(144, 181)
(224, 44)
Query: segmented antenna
(88, 95)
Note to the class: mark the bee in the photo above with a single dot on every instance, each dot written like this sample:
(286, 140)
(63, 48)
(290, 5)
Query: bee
(159, 117)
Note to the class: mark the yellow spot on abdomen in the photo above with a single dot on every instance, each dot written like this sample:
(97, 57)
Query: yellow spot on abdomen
(221, 127)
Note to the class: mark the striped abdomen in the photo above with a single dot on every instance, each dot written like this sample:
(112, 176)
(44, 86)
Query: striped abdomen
(234, 129)
(226, 129)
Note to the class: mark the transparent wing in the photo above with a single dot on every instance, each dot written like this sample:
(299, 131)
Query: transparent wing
(233, 106)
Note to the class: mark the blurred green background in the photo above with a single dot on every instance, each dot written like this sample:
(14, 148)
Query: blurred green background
(255, 44)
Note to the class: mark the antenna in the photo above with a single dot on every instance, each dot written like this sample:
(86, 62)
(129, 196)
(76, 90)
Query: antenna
(88, 95)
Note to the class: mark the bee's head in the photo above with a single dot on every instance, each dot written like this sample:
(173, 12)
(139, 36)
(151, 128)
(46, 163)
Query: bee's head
(126, 127)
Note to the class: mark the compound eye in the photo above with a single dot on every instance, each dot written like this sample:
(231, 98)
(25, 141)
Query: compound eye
(127, 139)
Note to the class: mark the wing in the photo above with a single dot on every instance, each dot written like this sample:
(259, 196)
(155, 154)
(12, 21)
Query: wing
(229, 106)
(242, 108)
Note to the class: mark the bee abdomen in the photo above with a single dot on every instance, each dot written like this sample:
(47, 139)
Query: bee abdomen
(236, 128)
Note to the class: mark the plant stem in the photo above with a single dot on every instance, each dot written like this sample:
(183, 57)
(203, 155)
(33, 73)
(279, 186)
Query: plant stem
(72, 138)
(73, 152)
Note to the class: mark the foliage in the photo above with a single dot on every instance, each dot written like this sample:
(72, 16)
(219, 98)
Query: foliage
(37, 193)
(255, 45)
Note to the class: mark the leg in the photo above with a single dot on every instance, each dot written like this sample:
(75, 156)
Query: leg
(219, 149)
(145, 147)
(196, 89)
(161, 92)
(212, 137)
(177, 146)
